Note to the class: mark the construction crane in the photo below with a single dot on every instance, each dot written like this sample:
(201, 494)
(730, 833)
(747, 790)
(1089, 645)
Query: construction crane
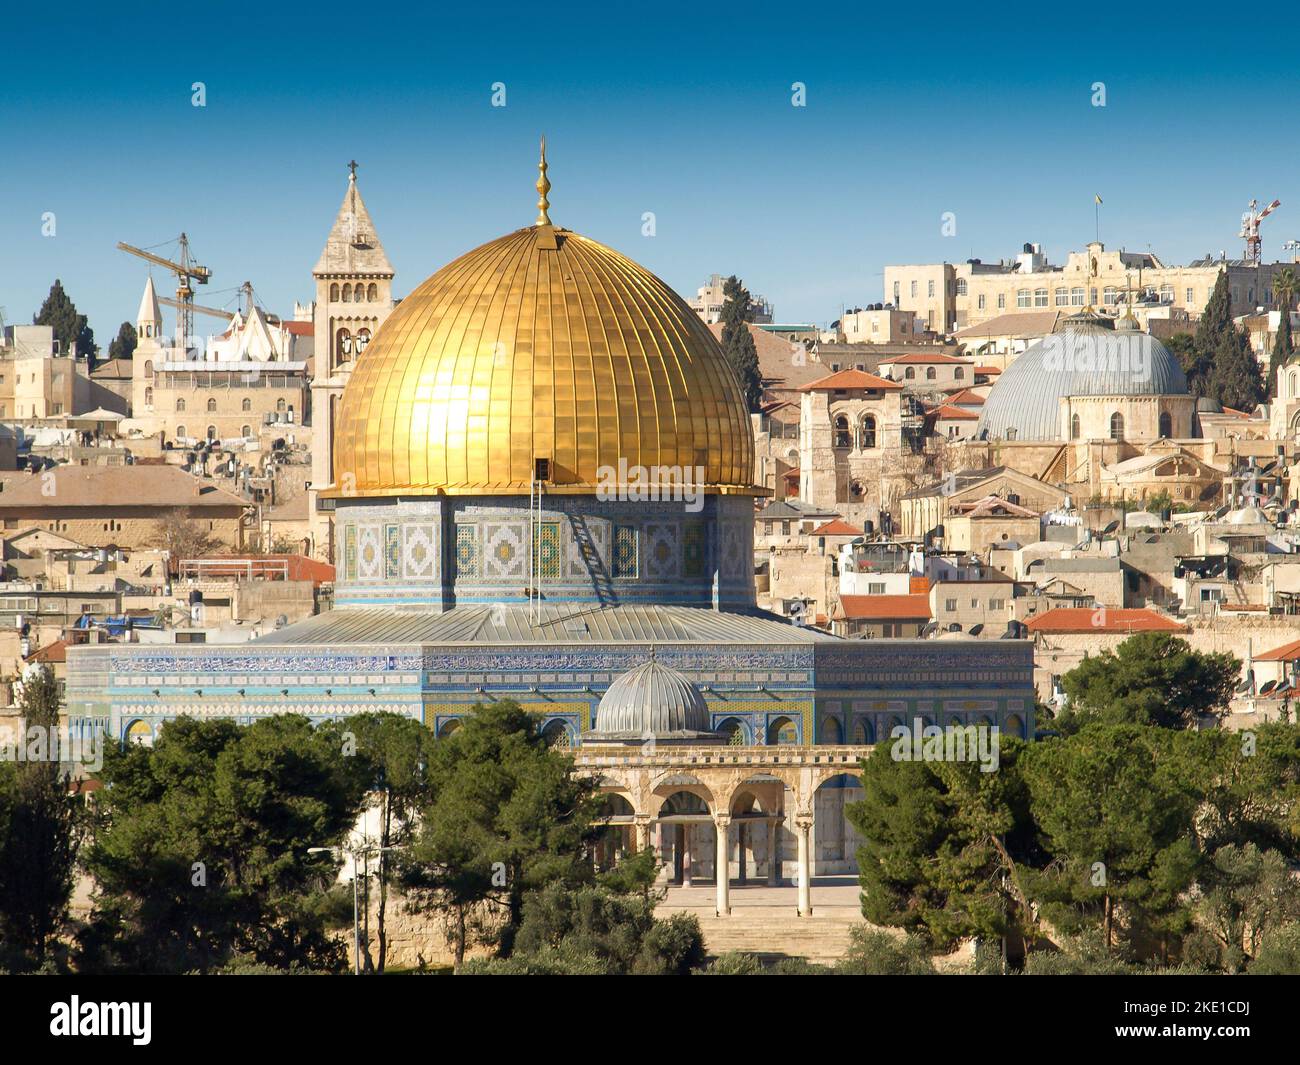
(246, 290)
(1250, 228)
(186, 271)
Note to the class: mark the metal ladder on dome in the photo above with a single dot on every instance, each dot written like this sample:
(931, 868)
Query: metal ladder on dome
(536, 487)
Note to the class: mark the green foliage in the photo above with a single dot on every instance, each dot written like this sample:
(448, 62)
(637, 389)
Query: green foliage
(201, 855)
(733, 963)
(1116, 806)
(593, 929)
(1246, 894)
(70, 328)
(1253, 792)
(942, 844)
(124, 344)
(1151, 678)
(1221, 364)
(1279, 954)
(505, 815)
(40, 830)
(875, 953)
(738, 342)
(1083, 955)
(634, 874)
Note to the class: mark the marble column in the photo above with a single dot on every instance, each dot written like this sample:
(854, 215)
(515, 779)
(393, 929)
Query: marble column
(721, 823)
(803, 825)
(773, 851)
(642, 832)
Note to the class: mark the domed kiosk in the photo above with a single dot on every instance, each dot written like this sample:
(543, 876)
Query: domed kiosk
(655, 702)
(1090, 381)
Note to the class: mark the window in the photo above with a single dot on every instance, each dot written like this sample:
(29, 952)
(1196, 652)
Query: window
(913, 289)
(148, 369)
(867, 435)
(1062, 297)
(909, 373)
(180, 432)
(212, 432)
(980, 300)
(334, 293)
(347, 293)
(180, 406)
(1002, 300)
(1166, 293)
(1190, 294)
(246, 405)
(280, 405)
(1040, 297)
(958, 373)
(212, 406)
(1110, 296)
(1166, 425)
(343, 345)
(929, 289)
(245, 431)
(1117, 426)
(876, 588)
(950, 604)
(961, 286)
(843, 436)
(148, 396)
(372, 292)
(1024, 298)
(1076, 296)
(1074, 427)
(997, 604)
(896, 295)
(930, 373)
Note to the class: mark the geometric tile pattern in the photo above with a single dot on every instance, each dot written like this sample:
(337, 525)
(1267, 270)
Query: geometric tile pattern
(624, 565)
(662, 558)
(546, 551)
(504, 556)
(350, 552)
(693, 549)
(369, 552)
(392, 551)
(467, 551)
(420, 554)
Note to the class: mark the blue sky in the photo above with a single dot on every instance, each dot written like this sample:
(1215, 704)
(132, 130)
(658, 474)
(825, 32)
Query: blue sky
(985, 112)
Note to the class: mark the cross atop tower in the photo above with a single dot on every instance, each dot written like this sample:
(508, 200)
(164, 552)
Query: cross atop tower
(352, 166)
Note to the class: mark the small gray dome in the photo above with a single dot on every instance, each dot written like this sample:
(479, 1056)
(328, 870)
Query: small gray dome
(652, 699)
(1081, 360)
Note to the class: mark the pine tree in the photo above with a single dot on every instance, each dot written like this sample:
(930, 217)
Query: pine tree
(738, 342)
(124, 344)
(70, 328)
(1223, 366)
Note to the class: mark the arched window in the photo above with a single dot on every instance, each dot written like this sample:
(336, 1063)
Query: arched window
(280, 405)
(245, 430)
(359, 294)
(1024, 298)
(212, 432)
(931, 373)
(832, 731)
(148, 397)
(782, 731)
(1040, 297)
(148, 369)
(372, 292)
(1074, 427)
(909, 373)
(347, 293)
(180, 432)
(959, 374)
(212, 406)
(180, 406)
(246, 405)
(1166, 425)
(1295, 380)
(867, 432)
(334, 292)
(344, 345)
(843, 436)
(363, 338)
(1117, 426)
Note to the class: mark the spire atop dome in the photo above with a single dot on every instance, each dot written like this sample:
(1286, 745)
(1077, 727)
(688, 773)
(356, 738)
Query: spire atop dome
(353, 246)
(543, 187)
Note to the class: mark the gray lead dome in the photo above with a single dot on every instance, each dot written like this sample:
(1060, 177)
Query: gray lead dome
(1081, 360)
(652, 699)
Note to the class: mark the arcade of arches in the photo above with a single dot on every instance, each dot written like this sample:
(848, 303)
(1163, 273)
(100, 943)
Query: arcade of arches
(727, 813)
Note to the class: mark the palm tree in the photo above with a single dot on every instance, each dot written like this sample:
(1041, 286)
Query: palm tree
(1285, 285)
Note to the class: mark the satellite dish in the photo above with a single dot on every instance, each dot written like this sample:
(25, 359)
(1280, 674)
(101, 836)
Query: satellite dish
(1268, 687)
(975, 630)
(930, 629)
(1221, 511)
(1110, 528)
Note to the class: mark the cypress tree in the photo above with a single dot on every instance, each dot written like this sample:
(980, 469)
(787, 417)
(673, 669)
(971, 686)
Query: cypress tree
(70, 328)
(1224, 368)
(738, 342)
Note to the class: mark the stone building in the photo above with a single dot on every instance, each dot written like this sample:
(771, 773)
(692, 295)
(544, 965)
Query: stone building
(249, 381)
(354, 296)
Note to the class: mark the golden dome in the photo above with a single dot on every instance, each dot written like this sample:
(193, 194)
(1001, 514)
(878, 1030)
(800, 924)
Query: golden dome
(542, 344)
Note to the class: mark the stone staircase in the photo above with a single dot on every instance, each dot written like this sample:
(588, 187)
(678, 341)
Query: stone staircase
(821, 938)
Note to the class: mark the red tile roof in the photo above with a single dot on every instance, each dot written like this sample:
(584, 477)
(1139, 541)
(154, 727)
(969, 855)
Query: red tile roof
(889, 607)
(967, 396)
(1066, 620)
(302, 329)
(987, 370)
(851, 379)
(1285, 653)
(952, 413)
(918, 357)
(54, 652)
(836, 527)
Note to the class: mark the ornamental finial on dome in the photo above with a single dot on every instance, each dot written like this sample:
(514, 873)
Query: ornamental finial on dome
(543, 187)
